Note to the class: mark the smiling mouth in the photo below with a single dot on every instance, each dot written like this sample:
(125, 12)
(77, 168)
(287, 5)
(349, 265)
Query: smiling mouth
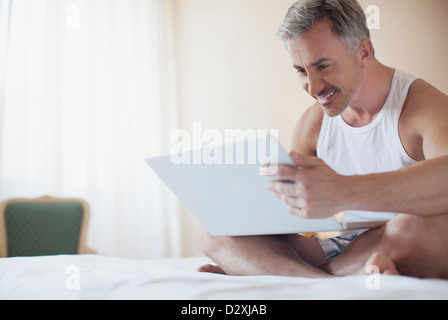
(326, 99)
(330, 95)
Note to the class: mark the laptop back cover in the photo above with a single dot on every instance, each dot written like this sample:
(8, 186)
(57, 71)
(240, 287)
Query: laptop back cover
(227, 194)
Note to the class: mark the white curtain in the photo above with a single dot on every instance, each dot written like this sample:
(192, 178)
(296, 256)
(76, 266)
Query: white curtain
(85, 96)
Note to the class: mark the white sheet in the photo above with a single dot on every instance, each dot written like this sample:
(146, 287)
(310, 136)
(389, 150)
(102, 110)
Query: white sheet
(100, 277)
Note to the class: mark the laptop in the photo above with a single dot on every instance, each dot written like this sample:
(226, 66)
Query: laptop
(221, 186)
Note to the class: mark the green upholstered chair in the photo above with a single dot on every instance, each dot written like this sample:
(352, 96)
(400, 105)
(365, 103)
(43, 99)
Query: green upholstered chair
(43, 226)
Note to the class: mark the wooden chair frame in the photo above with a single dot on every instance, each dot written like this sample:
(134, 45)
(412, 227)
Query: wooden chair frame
(82, 247)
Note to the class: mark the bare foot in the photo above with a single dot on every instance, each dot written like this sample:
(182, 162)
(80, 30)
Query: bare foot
(384, 264)
(211, 269)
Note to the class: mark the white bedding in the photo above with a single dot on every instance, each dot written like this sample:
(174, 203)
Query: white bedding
(101, 277)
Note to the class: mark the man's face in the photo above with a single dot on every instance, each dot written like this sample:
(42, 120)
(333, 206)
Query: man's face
(328, 71)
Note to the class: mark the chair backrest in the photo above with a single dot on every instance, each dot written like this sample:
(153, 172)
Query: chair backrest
(43, 226)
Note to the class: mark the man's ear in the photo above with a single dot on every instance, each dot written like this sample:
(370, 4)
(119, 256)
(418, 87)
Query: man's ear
(365, 52)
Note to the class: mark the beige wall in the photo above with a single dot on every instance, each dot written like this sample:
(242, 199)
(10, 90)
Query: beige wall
(413, 38)
(233, 73)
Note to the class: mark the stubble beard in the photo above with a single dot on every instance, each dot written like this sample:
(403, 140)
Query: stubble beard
(337, 108)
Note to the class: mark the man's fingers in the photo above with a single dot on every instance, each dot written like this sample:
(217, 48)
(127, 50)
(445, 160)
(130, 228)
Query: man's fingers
(295, 202)
(284, 188)
(284, 172)
(299, 212)
(304, 161)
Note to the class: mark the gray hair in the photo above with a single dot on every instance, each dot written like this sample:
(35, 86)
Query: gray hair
(346, 17)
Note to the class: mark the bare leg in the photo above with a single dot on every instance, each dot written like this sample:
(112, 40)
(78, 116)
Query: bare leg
(384, 264)
(354, 259)
(408, 245)
(210, 268)
(263, 255)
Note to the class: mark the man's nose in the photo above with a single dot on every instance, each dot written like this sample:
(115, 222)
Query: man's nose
(315, 84)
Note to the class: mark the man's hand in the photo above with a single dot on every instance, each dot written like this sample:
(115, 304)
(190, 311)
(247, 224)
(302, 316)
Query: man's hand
(312, 190)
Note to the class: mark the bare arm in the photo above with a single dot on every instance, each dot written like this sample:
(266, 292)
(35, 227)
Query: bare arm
(421, 189)
(307, 131)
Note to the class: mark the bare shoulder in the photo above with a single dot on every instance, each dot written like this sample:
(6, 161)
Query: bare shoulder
(421, 91)
(307, 131)
(424, 119)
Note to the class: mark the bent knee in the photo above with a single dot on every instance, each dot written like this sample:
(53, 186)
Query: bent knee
(404, 225)
(416, 244)
(203, 240)
(402, 235)
(207, 243)
(409, 233)
(411, 227)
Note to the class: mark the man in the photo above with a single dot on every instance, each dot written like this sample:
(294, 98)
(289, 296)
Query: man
(373, 145)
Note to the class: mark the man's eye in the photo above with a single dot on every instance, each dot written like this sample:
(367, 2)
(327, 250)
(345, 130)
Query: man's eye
(301, 71)
(323, 66)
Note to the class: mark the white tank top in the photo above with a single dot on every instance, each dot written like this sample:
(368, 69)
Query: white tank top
(373, 148)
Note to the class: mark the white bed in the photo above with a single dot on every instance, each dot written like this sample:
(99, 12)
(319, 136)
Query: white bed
(100, 277)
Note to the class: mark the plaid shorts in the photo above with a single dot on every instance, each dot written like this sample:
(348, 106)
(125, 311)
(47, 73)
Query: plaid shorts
(333, 247)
